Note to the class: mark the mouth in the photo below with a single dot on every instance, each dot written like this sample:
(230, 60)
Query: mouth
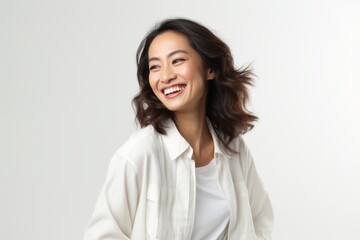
(174, 89)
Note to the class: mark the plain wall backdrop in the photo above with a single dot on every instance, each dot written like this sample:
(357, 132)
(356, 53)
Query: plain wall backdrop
(68, 75)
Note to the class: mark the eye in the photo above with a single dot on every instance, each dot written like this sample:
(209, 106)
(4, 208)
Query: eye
(178, 60)
(154, 67)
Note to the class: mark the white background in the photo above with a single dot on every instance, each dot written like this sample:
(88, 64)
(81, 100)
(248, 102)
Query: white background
(68, 74)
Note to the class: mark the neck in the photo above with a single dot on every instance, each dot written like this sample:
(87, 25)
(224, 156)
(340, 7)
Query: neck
(194, 129)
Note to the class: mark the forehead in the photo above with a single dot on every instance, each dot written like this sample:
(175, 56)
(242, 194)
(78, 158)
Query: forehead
(167, 42)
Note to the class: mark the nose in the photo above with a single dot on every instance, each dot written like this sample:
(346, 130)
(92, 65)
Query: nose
(167, 75)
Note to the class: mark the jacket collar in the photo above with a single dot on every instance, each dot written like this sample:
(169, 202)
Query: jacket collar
(217, 148)
(177, 145)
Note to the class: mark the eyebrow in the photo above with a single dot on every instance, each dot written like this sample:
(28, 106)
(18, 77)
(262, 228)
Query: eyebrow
(169, 55)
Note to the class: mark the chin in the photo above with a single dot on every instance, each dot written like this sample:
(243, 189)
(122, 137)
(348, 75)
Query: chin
(172, 108)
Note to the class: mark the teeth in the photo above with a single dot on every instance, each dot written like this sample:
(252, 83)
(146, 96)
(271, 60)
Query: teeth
(173, 89)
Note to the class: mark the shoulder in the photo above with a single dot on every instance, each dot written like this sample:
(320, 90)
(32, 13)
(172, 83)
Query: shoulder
(143, 139)
(239, 145)
(243, 155)
(144, 142)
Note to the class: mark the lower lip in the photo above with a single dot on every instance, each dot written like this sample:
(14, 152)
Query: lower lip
(174, 95)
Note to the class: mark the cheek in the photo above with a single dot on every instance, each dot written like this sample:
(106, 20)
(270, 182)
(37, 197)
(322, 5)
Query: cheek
(152, 82)
(193, 71)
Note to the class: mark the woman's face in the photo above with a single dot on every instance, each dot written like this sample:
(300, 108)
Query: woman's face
(177, 76)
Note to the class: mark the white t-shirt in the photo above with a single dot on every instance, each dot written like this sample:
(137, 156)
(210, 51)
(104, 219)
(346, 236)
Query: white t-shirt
(212, 210)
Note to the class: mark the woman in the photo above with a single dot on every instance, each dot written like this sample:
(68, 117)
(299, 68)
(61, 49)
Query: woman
(187, 174)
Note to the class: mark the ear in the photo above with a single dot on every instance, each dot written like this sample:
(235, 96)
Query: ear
(210, 74)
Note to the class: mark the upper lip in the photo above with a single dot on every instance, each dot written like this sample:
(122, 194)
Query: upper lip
(173, 85)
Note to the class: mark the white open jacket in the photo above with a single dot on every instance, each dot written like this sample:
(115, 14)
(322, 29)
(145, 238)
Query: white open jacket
(150, 191)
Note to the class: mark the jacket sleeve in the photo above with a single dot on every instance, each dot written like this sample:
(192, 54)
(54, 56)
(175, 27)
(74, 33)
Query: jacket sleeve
(260, 204)
(115, 209)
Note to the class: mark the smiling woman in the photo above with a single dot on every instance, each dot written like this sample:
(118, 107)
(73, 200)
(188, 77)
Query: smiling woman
(177, 73)
(187, 174)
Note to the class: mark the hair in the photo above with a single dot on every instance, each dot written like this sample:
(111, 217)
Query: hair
(227, 92)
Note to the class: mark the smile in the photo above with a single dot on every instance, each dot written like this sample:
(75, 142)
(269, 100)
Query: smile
(174, 89)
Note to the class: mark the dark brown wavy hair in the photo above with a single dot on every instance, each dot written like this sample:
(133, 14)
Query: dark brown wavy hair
(227, 93)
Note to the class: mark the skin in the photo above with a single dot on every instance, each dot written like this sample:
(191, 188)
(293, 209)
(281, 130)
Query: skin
(174, 63)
